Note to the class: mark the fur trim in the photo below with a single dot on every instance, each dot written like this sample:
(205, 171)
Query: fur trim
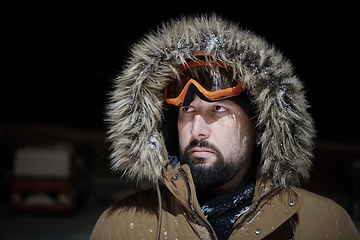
(135, 110)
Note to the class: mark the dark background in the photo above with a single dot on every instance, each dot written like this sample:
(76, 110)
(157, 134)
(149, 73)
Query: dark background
(60, 59)
(58, 62)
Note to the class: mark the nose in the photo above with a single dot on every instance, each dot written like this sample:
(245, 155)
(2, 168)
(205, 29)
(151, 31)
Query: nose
(200, 129)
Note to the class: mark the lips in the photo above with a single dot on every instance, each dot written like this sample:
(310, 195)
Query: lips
(201, 151)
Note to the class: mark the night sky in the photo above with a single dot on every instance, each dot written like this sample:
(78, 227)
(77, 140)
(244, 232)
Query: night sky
(60, 59)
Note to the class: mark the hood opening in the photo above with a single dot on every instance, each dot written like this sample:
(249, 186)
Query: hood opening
(139, 120)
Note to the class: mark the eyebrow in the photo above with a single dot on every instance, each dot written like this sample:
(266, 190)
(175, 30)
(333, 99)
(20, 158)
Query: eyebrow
(226, 102)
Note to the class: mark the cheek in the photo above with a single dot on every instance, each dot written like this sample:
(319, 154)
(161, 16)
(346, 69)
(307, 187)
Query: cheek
(246, 140)
(226, 134)
(235, 138)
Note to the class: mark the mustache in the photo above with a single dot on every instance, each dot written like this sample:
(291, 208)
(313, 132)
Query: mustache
(201, 143)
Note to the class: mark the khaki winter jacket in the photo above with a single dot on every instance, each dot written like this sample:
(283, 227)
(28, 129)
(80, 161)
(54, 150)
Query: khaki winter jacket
(275, 213)
(139, 120)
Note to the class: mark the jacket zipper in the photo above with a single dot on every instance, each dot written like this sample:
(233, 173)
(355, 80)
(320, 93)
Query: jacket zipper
(212, 235)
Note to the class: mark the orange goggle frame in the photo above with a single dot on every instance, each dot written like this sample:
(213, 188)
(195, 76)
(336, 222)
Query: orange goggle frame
(211, 95)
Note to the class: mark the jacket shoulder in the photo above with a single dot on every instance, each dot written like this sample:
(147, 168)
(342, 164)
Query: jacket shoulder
(128, 216)
(310, 198)
(142, 201)
(320, 217)
(136, 216)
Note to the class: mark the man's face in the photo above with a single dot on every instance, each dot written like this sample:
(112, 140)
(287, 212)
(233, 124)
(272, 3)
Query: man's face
(216, 140)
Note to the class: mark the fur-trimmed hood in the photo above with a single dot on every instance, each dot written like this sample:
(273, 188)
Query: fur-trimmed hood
(136, 108)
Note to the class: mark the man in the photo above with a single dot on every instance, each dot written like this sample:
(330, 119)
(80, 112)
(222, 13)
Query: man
(215, 119)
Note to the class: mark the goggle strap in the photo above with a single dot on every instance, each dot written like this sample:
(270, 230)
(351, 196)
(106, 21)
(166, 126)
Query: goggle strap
(202, 63)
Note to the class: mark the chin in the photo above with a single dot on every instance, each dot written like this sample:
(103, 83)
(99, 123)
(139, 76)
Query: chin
(203, 161)
(202, 164)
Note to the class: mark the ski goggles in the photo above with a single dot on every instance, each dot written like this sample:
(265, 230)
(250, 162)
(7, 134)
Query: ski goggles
(176, 92)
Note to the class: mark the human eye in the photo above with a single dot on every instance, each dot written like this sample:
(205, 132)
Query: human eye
(187, 109)
(219, 109)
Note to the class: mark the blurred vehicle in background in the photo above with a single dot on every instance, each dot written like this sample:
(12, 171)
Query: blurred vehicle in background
(48, 178)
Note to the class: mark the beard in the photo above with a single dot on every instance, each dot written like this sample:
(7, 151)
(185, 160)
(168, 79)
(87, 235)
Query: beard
(215, 175)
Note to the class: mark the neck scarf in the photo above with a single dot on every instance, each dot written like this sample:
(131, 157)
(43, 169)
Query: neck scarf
(223, 211)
